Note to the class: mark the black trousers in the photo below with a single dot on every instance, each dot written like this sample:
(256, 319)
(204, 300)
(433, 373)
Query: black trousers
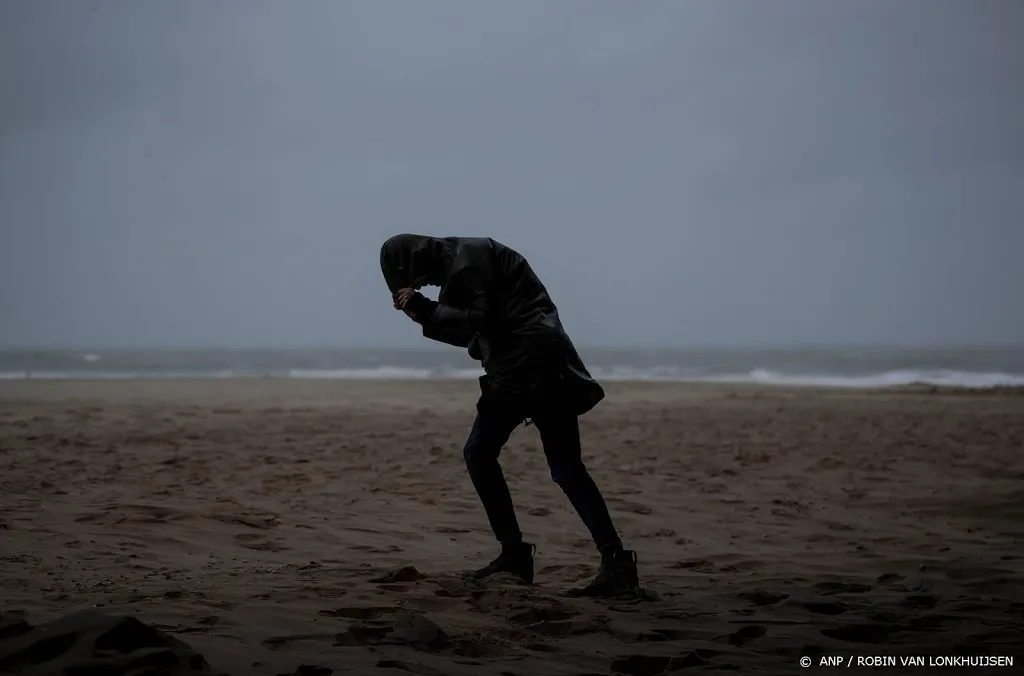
(560, 436)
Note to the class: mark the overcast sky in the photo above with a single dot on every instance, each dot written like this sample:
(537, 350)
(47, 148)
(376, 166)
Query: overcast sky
(678, 172)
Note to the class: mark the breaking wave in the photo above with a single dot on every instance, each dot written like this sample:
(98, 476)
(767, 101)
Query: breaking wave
(942, 378)
(938, 377)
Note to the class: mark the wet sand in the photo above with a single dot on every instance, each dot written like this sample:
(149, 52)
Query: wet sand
(267, 523)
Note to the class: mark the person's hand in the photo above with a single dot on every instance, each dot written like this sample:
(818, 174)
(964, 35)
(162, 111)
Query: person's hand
(402, 297)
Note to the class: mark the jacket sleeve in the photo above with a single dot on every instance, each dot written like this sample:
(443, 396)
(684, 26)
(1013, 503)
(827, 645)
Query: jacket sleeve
(456, 338)
(423, 310)
(472, 319)
(442, 318)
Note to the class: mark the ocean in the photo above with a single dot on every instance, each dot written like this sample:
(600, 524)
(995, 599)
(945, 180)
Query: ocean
(824, 367)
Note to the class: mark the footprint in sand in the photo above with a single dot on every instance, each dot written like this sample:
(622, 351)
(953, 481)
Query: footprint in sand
(451, 589)
(762, 598)
(451, 530)
(278, 642)
(641, 665)
(740, 566)
(309, 670)
(370, 549)
(410, 667)
(826, 608)
(478, 645)
(842, 588)
(921, 601)
(653, 665)
(260, 542)
(932, 623)
(672, 635)
(363, 635)
(576, 570)
(554, 620)
(358, 612)
(633, 601)
(549, 612)
(403, 574)
(693, 564)
(745, 635)
(435, 603)
(415, 631)
(973, 573)
(862, 633)
(90, 517)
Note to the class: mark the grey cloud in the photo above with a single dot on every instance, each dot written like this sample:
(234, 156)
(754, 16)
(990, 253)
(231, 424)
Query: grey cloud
(678, 172)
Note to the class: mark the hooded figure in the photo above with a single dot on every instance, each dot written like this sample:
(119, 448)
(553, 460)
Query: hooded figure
(493, 304)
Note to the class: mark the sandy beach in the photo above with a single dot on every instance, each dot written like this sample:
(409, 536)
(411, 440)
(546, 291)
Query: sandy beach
(271, 524)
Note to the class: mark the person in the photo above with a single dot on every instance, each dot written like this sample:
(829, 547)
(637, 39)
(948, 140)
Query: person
(493, 304)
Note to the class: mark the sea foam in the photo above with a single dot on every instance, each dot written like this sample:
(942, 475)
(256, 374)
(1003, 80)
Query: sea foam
(938, 377)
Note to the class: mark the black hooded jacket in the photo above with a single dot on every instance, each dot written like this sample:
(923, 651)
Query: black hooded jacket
(492, 303)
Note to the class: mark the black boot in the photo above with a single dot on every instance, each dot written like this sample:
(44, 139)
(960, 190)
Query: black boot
(514, 559)
(617, 575)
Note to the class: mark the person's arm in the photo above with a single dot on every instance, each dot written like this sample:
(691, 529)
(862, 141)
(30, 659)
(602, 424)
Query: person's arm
(441, 318)
(455, 338)
(421, 309)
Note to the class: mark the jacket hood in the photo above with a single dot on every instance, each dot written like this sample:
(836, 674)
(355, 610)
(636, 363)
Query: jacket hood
(415, 261)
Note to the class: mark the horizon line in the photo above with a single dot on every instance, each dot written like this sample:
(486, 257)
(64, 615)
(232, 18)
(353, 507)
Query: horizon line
(705, 346)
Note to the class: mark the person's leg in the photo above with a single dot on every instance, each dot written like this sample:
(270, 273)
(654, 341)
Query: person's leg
(560, 436)
(491, 431)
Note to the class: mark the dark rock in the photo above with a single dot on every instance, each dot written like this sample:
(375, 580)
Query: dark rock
(89, 642)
